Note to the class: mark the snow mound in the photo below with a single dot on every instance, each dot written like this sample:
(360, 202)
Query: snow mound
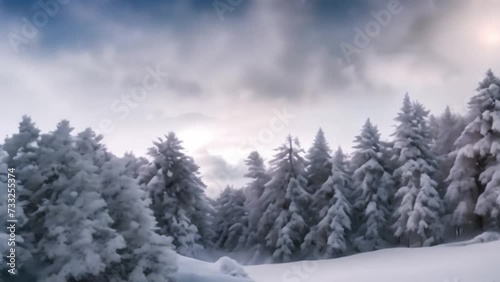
(486, 237)
(231, 267)
(223, 270)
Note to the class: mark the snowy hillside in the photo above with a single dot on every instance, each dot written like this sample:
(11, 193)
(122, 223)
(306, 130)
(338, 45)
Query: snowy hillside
(447, 263)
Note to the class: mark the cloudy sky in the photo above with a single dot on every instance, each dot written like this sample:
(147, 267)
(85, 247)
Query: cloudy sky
(231, 75)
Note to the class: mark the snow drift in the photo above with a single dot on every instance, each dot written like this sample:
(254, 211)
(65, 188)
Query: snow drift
(446, 263)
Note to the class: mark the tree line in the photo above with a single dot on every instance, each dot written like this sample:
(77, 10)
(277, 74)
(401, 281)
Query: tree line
(85, 214)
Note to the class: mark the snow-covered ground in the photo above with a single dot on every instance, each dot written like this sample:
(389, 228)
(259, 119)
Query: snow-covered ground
(467, 262)
(223, 270)
(447, 263)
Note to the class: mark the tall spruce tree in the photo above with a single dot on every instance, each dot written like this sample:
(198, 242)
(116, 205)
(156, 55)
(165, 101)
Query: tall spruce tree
(19, 154)
(418, 205)
(472, 194)
(287, 202)
(319, 166)
(372, 184)
(447, 128)
(231, 220)
(329, 238)
(147, 256)
(177, 196)
(73, 238)
(255, 203)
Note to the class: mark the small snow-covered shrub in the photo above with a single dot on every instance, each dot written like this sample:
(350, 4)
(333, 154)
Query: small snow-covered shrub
(230, 267)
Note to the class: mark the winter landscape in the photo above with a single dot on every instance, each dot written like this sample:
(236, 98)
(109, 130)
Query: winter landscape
(250, 140)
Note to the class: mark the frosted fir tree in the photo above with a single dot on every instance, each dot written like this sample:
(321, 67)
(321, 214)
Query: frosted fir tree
(445, 130)
(254, 202)
(231, 220)
(425, 219)
(322, 198)
(148, 256)
(287, 201)
(417, 212)
(341, 161)
(474, 169)
(74, 239)
(449, 126)
(134, 165)
(8, 204)
(372, 184)
(329, 237)
(290, 226)
(319, 166)
(488, 203)
(20, 154)
(177, 196)
(88, 144)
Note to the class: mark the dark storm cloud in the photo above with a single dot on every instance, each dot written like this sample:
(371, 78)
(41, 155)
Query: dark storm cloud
(225, 77)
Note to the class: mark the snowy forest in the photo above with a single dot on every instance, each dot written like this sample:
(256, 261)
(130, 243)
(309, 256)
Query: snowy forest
(85, 214)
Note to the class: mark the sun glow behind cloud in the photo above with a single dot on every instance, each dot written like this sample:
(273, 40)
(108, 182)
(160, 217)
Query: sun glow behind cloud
(490, 35)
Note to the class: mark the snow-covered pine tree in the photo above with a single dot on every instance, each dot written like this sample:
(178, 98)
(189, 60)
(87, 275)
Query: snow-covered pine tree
(318, 169)
(418, 205)
(20, 154)
(371, 183)
(341, 161)
(329, 237)
(321, 200)
(178, 197)
(319, 166)
(476, 165)
(286, 201)
(73, 235)
(22, 254)
(148, 256)
(447, 128)
(134, 164)
(231, 220)
(254, 202)
(290, 225)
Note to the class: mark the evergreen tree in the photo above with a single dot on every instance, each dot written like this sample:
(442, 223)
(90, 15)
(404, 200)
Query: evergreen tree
(417, 215)
(134, 165)
(319, 166)
(473, 189)
(19, 153)
(148, 256)
(254, 201)
(448, 127)
(372, 184)
(329, 237)
(287, 202)
(73, 236)
(231, 220)
(177, 196)
(341, 161)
